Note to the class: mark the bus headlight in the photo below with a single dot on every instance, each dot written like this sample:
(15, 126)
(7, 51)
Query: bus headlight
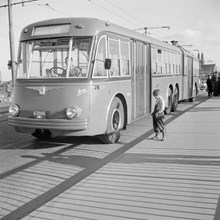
(72, 112)
(13, 110)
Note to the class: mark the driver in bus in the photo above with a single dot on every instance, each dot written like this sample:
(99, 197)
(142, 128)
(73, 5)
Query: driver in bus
(74, 71)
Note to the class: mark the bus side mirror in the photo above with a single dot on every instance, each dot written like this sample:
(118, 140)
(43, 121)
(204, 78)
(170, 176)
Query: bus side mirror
(108, 63)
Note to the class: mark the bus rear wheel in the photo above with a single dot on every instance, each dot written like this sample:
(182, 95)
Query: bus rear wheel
(115, 122)
(169, 103)
(42, 134)
(175, 100)
(193, 98)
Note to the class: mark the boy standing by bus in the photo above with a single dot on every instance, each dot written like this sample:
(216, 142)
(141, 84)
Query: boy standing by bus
(158, 116)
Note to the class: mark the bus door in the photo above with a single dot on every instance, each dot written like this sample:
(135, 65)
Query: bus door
(140, 80)
(190, 77)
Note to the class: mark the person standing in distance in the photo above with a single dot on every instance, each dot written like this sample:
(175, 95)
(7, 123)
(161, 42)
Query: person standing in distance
(158, 116)
(210, 86)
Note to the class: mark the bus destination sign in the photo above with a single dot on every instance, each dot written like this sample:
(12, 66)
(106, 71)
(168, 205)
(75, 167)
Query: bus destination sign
(52, 29)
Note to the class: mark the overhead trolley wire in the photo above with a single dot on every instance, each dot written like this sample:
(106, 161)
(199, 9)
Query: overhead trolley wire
(18, 3)
(126, 12)
(46, 5)
(91, 1)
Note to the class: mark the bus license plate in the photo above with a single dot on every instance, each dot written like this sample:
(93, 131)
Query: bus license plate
(39, 114)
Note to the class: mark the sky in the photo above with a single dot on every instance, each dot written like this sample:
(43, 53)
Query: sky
(195, 24)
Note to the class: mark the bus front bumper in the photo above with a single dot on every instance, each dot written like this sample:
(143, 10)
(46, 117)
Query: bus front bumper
(53, 124)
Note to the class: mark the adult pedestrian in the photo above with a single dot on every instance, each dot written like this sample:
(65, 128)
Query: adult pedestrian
(209, 83)
(158, 116)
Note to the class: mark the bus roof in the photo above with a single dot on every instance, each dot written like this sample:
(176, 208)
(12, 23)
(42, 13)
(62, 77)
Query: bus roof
(83, 27)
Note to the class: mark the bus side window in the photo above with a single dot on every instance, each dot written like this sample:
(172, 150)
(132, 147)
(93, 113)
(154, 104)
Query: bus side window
(114, 56)
(125, 58)
(154, 60)
(99, 68)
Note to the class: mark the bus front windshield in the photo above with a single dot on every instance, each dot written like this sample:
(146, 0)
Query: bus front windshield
(50, 58)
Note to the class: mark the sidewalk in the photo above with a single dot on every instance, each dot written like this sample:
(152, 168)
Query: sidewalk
(175, 179)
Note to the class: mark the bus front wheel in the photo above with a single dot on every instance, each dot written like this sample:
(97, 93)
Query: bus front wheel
(115, 122)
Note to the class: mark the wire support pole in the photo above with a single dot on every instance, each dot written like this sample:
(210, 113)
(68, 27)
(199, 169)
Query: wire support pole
(11, 41)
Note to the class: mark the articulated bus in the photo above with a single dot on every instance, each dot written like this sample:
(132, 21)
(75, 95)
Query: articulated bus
(87, 77)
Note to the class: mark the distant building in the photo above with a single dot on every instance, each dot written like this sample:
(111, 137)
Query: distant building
(206, 69)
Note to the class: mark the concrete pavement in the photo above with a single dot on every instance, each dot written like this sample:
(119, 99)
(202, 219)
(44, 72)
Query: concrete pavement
(175, 179)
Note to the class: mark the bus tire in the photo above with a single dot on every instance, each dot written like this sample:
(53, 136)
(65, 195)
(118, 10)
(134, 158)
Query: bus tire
(42, 134)
(115, 122)
(175, 101)
(193, 98)
(169, 105)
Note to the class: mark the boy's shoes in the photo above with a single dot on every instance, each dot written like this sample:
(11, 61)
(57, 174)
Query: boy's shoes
(155, 138)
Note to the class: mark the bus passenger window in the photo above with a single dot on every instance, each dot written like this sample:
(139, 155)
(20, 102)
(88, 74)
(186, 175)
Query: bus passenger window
(159, 61)
(125, 58)
(114, 71)
(114, 56)
(125, 68)
(154, 60)
(99, 68)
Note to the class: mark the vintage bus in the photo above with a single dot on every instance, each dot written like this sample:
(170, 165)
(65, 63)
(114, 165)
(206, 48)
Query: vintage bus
(87, 77)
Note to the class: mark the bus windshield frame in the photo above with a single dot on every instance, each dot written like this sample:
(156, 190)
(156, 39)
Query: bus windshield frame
(52, 58)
